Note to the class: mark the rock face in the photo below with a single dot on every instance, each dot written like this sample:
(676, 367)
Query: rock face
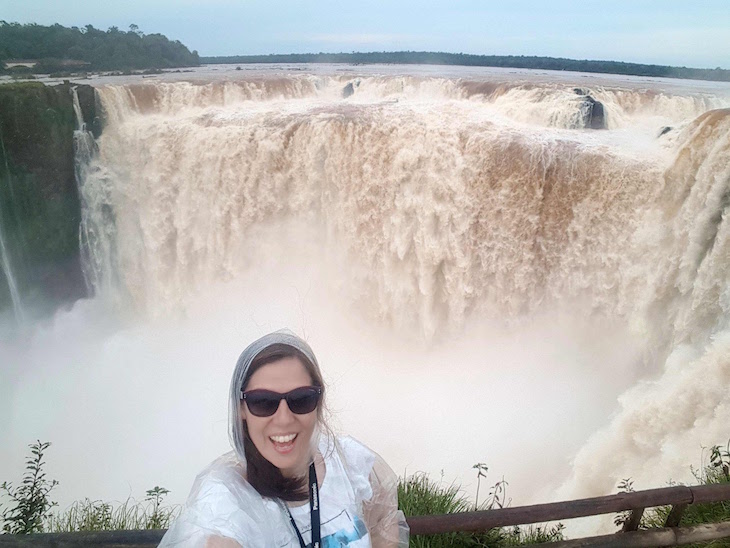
(348, 90)
(591, 111)
(38, 192)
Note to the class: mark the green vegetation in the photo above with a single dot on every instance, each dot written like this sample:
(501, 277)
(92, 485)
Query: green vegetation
(420, 496)
(96, 515)
(39, 202)
(30, 508)
(717, 472)
(61, 49)
(30, 501)
(506, 61)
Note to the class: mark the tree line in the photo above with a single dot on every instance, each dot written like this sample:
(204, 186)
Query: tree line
(506, 61)
(55, 46)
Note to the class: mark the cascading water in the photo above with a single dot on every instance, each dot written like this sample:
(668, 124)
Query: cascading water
(461, 237)
(441, 211)
(5, 256)
(84, 151)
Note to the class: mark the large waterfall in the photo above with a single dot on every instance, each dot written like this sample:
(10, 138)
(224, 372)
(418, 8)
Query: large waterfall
(485, 278)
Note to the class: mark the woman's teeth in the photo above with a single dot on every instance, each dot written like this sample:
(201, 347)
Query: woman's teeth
(283, 439)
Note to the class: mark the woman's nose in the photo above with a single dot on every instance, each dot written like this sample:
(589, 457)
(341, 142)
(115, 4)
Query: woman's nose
(283, 413)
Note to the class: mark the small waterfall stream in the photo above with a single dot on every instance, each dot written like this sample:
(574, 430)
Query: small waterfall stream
(85, 148)
(5, 256)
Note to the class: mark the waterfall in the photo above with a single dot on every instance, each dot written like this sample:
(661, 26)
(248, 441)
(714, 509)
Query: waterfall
(565, 290)
(448, 205)
(85, 148)
(5, 256)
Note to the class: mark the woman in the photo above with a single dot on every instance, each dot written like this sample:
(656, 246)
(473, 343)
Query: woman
(289, 481)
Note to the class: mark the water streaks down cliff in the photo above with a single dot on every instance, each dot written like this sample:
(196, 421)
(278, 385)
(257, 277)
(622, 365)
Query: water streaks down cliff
(441, 207)
(443, 213)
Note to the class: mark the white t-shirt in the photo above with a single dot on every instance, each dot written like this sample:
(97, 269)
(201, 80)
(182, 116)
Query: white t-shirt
(340, 524)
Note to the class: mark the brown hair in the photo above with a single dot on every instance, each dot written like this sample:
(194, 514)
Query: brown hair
(263, 476)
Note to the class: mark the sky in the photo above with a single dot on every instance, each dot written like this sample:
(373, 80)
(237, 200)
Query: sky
(673, 32)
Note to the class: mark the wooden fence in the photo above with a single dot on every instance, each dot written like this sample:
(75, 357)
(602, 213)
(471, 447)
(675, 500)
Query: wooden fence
(678, 497)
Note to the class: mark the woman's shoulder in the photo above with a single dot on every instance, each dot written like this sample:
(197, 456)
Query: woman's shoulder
(222, 503)
(349, 458)
(227, 467)
(224, 479)
(354, 451)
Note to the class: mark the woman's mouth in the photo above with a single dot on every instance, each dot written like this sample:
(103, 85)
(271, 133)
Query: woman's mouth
(283, 444)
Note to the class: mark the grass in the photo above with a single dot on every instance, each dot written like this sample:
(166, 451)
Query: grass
(418, 495)
(88, 515)
(696, 514)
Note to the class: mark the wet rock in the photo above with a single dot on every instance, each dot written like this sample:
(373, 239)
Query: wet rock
(591, 114)
(348, 90)
(594, 116)
(38, 193)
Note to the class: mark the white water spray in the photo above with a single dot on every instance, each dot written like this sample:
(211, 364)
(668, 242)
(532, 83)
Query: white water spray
(427, 236)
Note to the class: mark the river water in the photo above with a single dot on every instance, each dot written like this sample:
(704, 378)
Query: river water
(482, 279)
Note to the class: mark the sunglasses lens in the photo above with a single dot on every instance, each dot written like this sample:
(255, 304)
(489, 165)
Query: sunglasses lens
(303, 400)
(262, 404)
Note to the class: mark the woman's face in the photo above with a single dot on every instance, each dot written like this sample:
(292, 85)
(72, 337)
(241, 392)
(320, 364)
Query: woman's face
(272, 435)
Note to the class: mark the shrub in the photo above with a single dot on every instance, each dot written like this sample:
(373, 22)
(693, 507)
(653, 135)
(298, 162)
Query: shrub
(31, 501)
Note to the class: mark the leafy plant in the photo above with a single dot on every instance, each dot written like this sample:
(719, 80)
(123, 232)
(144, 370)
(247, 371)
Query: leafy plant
(31, 501)
(624, 486)
(158, 519)
(720, 459)
(498, 496)
(481, 469)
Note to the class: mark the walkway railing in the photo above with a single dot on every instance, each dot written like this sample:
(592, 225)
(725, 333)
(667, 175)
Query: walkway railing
(678, 497)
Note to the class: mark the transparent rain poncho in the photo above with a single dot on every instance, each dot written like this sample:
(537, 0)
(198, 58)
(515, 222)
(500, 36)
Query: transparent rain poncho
(357, 496)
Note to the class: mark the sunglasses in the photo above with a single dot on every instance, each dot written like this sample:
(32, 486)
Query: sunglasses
(264, 403)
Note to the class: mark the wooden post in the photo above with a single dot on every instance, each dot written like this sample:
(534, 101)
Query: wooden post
(675, 515)
(632, 524)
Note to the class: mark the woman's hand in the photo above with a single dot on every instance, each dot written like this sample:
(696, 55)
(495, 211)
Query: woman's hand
(221, 542)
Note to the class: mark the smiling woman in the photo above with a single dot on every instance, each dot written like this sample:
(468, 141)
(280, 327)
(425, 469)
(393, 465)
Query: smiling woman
(285, 454)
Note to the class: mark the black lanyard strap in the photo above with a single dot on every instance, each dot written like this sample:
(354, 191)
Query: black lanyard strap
(313, 511)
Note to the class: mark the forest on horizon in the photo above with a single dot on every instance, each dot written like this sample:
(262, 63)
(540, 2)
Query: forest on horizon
(470, 60)
(59, 48)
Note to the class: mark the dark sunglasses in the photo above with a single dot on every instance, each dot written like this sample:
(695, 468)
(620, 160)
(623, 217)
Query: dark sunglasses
(264, 403)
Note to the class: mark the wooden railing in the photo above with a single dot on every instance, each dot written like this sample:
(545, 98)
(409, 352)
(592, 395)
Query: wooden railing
(678, 497)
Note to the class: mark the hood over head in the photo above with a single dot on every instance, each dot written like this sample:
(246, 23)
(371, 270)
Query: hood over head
(235, 424)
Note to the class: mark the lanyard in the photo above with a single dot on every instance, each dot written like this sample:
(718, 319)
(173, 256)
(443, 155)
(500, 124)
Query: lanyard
(313, 511)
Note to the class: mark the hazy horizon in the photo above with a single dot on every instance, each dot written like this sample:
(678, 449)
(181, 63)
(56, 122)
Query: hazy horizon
(632, 32)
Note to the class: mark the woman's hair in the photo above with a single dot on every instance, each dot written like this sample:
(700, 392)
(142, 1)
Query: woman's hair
(263, 476)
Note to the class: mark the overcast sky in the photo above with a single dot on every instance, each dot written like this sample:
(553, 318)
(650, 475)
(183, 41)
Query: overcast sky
(673, 32)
